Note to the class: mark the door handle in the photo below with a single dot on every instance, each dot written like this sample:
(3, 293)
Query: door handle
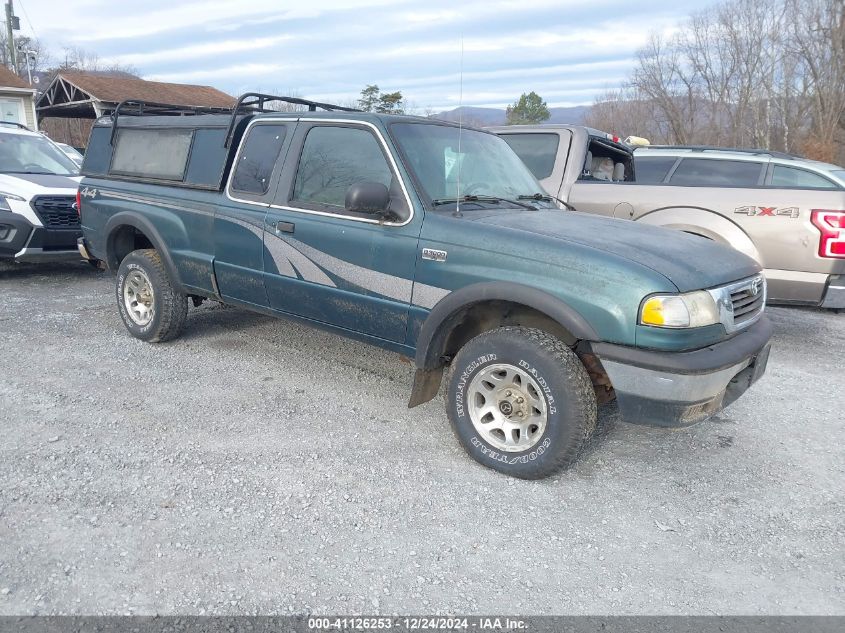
(284, 227)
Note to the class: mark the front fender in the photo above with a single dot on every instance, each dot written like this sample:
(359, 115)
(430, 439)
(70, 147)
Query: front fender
(447, 313)
(703, 222)
(436, 326)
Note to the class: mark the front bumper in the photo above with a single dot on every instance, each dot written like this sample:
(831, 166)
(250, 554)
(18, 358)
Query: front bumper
(22, 241)
(682, 388)
(15, 232)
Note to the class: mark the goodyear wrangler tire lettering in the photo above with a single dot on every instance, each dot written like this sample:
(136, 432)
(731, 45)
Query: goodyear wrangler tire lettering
(463, 380)
(520, 402)
(542, 382)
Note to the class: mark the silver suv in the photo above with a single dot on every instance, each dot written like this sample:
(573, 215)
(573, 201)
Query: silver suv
(786, 212)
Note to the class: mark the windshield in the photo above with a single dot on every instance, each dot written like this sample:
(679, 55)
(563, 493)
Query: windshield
(72, 152)
(486, 166)
(22, 153)
(839, 174)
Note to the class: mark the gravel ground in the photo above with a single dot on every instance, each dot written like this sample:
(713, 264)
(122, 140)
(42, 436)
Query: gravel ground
(257, 466)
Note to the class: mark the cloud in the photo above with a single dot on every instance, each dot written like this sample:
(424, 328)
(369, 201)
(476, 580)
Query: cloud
(212, 73)
(199, 51)
(569, 51)
(212, 13)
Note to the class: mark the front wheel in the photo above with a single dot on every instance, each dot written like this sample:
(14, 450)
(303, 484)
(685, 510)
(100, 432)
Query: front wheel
(151, 309)
(521, 402)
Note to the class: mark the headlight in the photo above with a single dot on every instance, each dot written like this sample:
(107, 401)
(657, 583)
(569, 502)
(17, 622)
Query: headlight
(4, 205)
(693, 309)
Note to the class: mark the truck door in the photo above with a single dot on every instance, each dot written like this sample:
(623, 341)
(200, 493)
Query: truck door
(239, 221)
(326, 263)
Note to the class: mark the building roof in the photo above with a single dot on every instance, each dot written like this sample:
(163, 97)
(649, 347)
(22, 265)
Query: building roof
(116, 89)
(8, 79)
(74, 94)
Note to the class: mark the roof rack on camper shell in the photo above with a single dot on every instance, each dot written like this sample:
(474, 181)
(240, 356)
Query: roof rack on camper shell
(247, 103)
(713, 148)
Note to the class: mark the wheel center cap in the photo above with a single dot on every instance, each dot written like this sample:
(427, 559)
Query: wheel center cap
(506, 407)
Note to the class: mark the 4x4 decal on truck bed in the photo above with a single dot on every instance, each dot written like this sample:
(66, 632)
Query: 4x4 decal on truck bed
(788, 212)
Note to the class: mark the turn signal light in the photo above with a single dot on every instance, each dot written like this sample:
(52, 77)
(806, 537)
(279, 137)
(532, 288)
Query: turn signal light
(831, 224)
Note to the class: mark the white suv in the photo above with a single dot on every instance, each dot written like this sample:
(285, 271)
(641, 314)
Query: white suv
(38, 184)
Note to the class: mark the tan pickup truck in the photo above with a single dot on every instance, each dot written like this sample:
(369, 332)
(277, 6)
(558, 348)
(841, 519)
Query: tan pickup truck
(786, 212)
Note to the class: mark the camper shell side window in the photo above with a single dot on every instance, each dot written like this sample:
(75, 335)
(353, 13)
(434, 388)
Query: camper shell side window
(174, 151)
(606, 161)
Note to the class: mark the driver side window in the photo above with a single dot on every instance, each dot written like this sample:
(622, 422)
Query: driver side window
(333, 158)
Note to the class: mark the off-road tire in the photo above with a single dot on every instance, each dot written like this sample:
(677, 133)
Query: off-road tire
(169, 309)
(566, 387)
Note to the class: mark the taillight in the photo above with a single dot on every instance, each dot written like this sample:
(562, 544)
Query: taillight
(831, 224)
(78, 202)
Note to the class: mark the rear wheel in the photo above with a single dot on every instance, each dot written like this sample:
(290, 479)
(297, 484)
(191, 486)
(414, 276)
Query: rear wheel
(151, 308)
(521, 402)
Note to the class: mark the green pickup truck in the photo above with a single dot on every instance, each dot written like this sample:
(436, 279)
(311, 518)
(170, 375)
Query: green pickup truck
(434, 242)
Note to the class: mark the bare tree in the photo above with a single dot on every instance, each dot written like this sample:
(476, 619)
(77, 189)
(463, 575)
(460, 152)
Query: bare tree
(818, 38)
(762, 73)
(662, 78)
(76, 58)
(37, 50)
(628, 112)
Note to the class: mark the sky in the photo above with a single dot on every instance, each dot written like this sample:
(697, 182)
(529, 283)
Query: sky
(568, 51)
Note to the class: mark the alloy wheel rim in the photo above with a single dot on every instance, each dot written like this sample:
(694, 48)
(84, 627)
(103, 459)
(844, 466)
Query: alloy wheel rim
(507, 408)
(138, 297)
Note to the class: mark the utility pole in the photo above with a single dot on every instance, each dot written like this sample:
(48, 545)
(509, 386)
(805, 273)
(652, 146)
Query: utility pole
(13, 24)
(27, 53)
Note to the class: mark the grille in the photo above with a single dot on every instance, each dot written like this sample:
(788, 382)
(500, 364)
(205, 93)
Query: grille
(56, 212)
(748, 299)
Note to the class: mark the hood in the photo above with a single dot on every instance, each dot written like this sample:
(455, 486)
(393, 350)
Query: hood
(688, 261)
(30, 185)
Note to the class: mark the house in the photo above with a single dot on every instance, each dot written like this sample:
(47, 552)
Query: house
(17, 99)
(73, 100)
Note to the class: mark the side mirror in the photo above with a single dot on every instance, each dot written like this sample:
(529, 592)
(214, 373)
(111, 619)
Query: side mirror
(368, 197)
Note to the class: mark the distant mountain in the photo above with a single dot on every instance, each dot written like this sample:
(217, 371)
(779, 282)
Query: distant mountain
(472, 115)
(573, 115)
(482, 117)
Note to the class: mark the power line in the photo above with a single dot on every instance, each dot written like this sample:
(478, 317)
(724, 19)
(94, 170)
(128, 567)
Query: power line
(28, 21)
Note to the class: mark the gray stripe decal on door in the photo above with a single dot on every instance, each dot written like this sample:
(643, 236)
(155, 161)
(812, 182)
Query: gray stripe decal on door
(397, 288)
(287, 258)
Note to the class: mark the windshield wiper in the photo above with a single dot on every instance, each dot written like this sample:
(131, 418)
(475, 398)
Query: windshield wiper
(544, 197)
(474, 198)
(468, 198)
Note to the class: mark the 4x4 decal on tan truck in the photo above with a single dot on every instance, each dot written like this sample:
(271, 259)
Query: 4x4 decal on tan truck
(788, 212)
